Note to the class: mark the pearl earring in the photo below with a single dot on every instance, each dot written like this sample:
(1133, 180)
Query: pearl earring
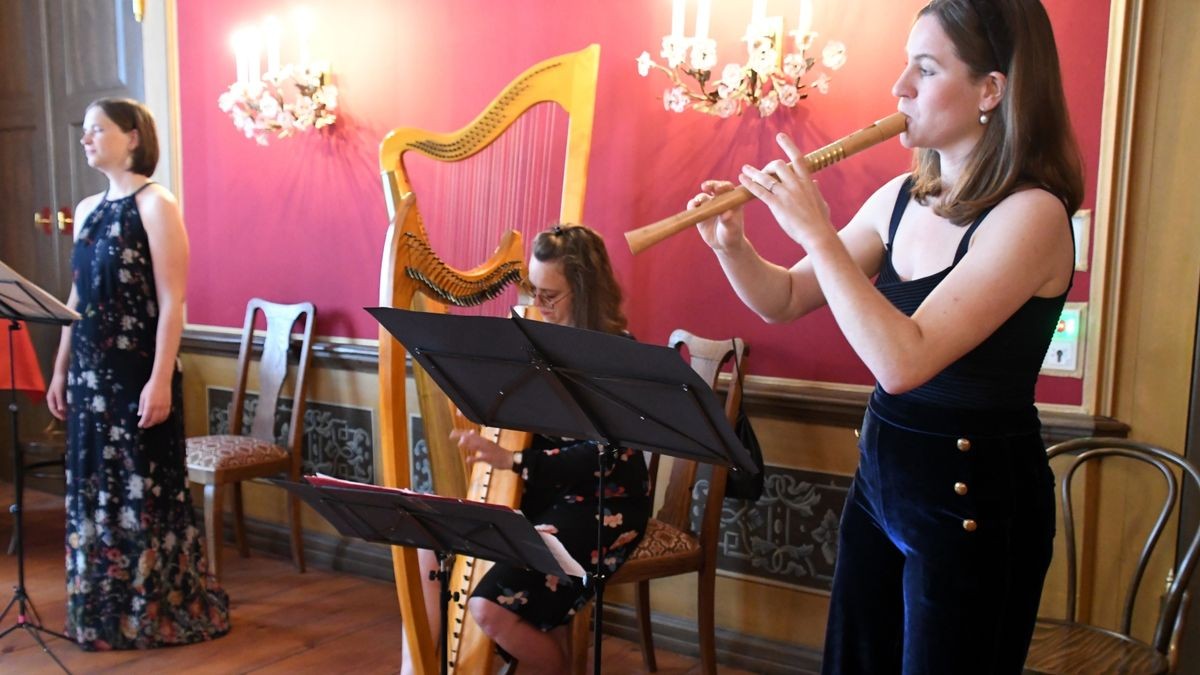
(983, 117)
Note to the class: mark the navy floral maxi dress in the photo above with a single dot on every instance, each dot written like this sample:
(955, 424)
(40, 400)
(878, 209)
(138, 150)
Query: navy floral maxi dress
(134, 556)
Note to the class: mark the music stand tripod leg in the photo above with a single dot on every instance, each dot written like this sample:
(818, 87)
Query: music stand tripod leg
(33, 629)
(21, 600)
(599, 576)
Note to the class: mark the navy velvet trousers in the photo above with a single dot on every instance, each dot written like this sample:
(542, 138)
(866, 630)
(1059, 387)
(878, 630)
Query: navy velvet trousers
(944, 544)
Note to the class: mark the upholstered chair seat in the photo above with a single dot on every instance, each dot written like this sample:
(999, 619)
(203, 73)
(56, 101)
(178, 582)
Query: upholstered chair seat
(223, 452)
(662, 540)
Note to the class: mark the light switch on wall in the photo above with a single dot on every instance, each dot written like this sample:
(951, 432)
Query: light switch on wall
(1065, 355)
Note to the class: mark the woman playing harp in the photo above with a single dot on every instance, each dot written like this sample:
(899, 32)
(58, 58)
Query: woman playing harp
(526, 613)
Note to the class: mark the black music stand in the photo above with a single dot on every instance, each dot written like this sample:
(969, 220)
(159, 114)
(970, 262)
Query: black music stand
(534, 376)
(21, 300)
(444, 525)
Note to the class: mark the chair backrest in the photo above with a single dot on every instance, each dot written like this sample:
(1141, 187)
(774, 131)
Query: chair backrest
(273, 368)
(708, 357)
(1168, 464)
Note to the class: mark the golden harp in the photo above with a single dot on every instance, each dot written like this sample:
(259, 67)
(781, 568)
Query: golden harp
(412, 272)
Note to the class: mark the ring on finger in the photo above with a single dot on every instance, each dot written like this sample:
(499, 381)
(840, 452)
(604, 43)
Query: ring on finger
(771, 187)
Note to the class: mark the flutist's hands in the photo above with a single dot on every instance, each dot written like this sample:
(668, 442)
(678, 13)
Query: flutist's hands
(476, 448)
(726, 230)
(791, 194)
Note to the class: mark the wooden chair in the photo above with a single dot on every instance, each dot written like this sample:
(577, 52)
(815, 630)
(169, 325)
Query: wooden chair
(218, 461)
(671, 546)
(1068, 646)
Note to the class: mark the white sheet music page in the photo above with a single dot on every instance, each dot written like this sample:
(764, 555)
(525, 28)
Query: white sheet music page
(564, 559)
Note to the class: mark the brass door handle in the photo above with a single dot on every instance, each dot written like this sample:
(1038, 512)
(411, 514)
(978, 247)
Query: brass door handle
(42, 222)
(65, 221)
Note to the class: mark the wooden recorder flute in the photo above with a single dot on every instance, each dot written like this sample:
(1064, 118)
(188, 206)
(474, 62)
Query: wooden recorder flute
(645, 237)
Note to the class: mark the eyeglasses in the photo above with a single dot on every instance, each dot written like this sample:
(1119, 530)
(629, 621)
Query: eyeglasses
(547, 299)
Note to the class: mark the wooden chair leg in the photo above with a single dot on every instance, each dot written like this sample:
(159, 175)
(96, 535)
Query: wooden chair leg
(580, 638)
(706, 589)
(239, 522)
(645, 631)
(297, 531)
(213, 505)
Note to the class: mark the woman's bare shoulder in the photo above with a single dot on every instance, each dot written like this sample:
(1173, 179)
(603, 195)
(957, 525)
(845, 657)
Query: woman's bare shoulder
(156, 196)
(876, 212)
(84, 209)
(1032, 211)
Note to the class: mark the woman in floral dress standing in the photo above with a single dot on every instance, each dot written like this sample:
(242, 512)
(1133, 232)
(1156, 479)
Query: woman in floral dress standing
(135, 559)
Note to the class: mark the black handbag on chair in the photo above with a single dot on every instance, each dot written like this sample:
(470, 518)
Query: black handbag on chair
(742, 485)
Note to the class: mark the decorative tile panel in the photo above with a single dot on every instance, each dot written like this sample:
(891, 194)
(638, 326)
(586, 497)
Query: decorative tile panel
(337, 440)
(789, 536)
(421, 478)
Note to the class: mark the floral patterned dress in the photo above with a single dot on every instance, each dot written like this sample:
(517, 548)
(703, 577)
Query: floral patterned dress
(560, 492)
(135, 558)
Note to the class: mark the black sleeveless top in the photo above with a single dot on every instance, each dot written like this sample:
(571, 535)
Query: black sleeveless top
(998, 374)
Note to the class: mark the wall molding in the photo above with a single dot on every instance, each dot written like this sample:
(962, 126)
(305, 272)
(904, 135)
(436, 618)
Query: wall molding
(1113, 202)
(325, 354)
(831, 404)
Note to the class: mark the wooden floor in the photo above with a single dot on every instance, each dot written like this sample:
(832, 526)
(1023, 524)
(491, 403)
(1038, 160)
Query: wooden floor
(283, 621)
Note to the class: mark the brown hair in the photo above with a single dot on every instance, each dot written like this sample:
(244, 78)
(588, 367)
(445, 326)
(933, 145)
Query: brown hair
(1028, 140)
(596, 295)
(130, 115)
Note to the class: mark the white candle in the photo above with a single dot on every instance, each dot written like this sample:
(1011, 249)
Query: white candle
(273, 32)
(758, 13)
(238, 42)
(677, 11)
(253, 55)
(305, 23)
(702, 19)
(805, 24)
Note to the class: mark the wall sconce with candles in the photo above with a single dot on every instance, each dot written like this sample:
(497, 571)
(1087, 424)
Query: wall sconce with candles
(257, 102)
(769, 78)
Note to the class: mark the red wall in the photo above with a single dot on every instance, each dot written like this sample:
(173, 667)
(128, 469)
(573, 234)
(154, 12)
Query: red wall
(304, 218)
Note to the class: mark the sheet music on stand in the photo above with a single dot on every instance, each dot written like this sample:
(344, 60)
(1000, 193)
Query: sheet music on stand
(22, 299)
(568, 564)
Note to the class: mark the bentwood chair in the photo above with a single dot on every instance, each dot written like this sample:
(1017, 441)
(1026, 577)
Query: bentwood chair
(228, 459)
(671, 545)
(1068, 645)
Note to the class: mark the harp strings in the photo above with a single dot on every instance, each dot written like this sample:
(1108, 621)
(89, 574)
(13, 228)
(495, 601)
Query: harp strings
(513, 184)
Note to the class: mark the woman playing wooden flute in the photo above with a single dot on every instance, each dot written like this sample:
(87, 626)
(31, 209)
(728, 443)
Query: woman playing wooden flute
(947, 530)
